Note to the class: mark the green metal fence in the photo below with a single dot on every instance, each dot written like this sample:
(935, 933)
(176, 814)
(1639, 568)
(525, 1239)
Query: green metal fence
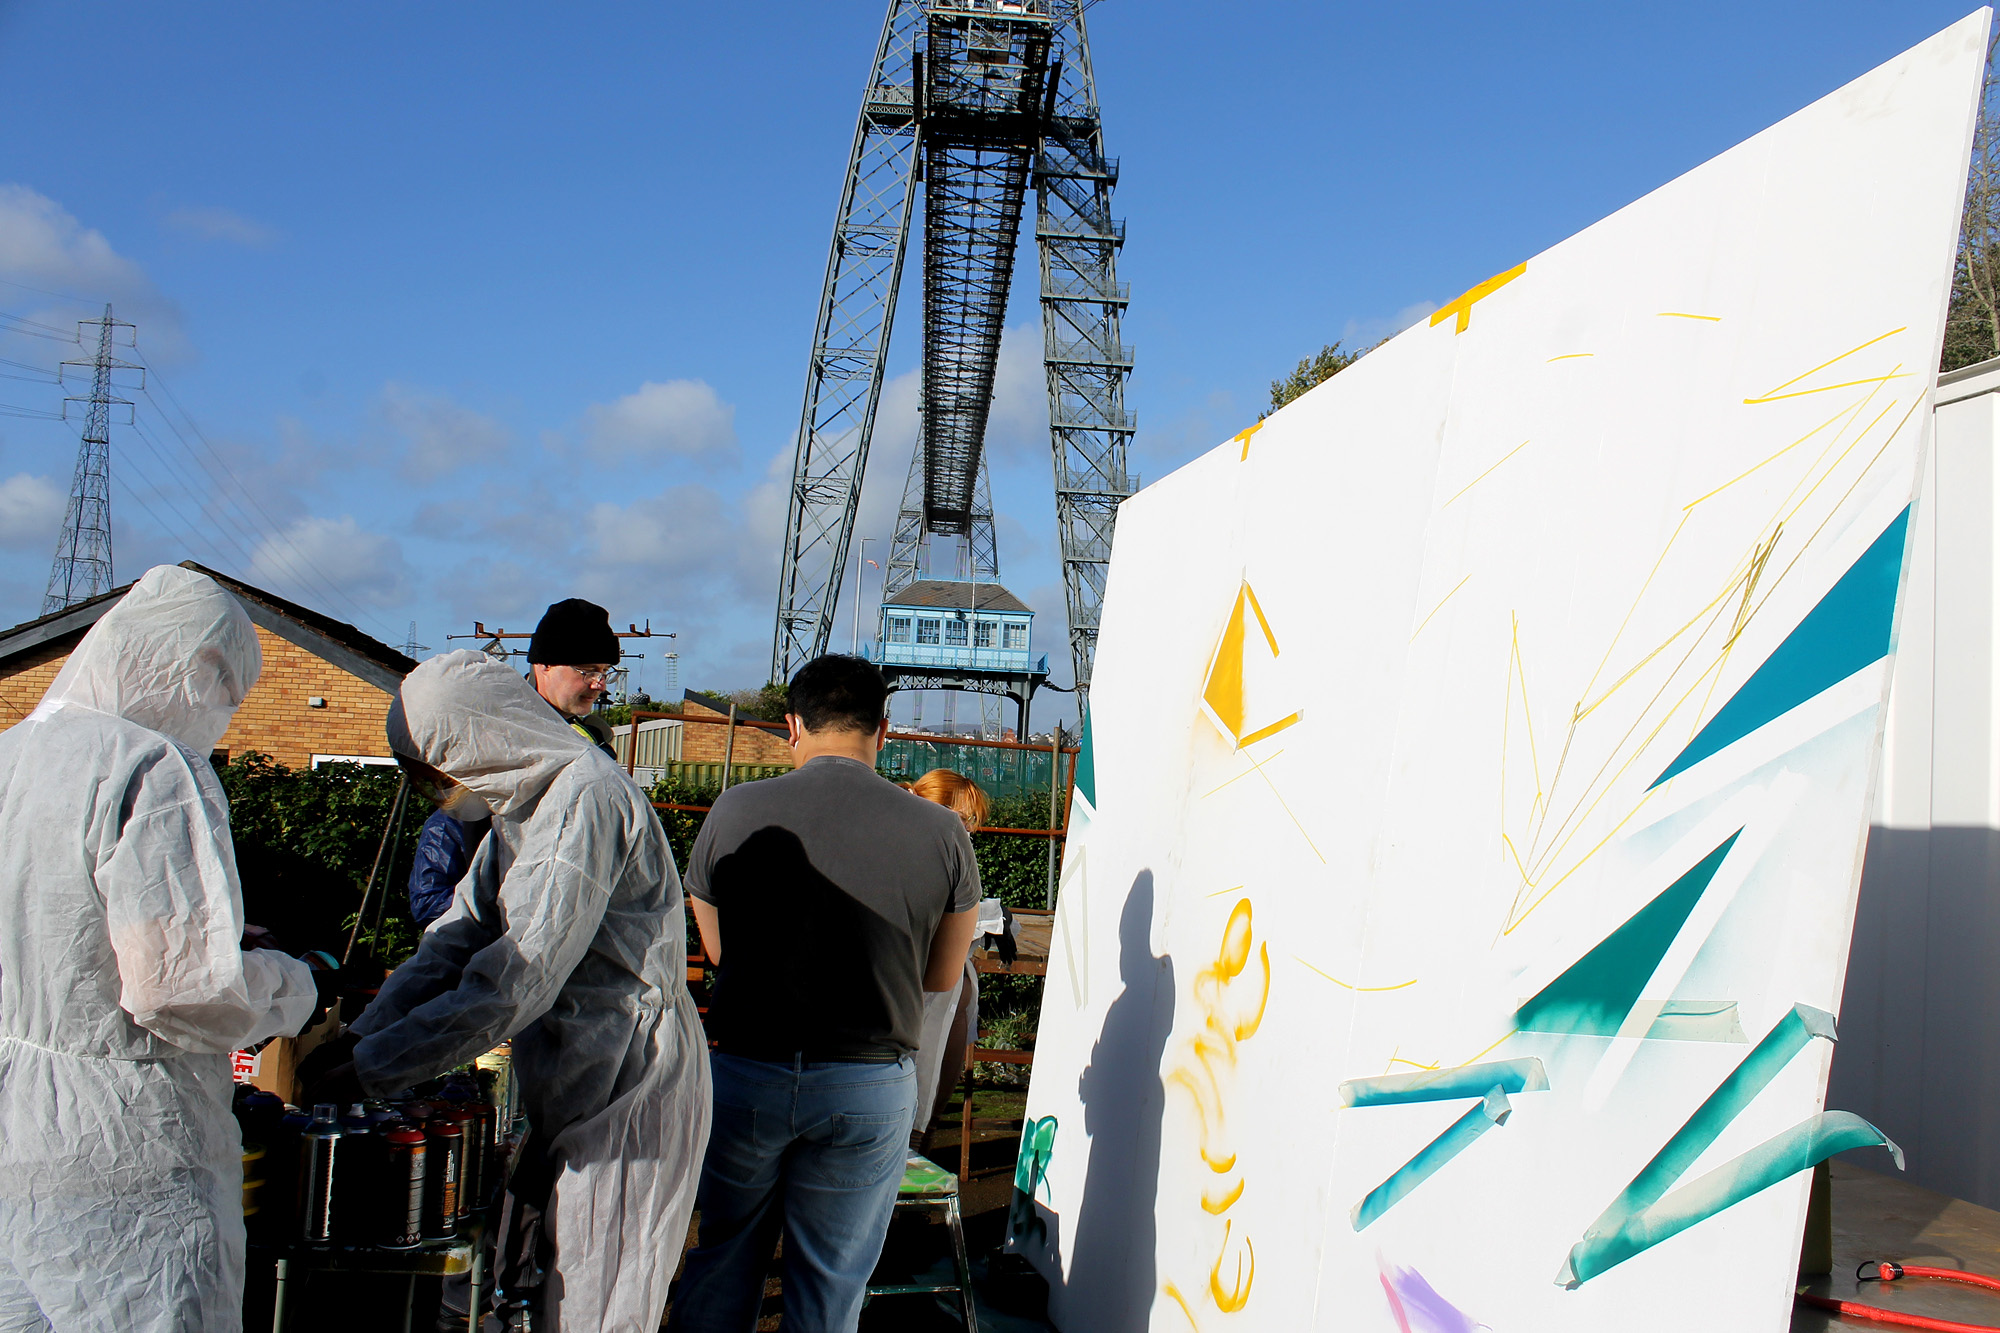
(1002, 774)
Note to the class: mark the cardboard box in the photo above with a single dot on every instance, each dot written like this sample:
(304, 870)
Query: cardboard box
(274, 1066)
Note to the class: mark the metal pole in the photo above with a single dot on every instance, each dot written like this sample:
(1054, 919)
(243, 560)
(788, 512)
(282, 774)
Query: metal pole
(860, 563)
(395, 850)
(729, 748)
(1055, 785)
(395, 813)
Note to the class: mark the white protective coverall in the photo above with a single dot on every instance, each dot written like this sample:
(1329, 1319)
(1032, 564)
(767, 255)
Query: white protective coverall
(567, 936)
(123, 986)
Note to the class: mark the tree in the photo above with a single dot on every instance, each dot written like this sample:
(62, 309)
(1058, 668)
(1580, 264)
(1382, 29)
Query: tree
(1972, 324)
(1311, 373)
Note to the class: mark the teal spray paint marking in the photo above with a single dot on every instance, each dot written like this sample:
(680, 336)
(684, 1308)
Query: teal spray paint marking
(1846, 631)
(1595, 994)
(1640, 1217)
(1493, 1109)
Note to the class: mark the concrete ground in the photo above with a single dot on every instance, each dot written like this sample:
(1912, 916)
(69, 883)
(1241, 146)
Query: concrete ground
(1878, 1217)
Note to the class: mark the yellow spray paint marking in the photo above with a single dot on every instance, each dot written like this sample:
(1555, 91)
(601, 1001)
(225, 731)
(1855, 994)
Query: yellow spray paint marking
(1682, 314)
(1462, 305)
(1229, 1302)
(1230, 995)
(1242, 437)
(1570, 356)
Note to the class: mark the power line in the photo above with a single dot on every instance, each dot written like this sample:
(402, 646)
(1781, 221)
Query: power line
(279, 543)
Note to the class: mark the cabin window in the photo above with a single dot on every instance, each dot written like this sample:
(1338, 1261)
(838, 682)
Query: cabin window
(1017, 638)
(927, 631)
(954, 633)
(899, 629)
(982, 633)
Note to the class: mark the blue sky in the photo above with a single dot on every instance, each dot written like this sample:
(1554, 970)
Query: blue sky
(479, 307)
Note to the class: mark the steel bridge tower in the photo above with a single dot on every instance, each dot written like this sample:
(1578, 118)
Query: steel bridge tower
(82, 566)
(976, 100)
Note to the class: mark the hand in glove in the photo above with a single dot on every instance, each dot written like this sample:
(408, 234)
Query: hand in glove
(327, 1074)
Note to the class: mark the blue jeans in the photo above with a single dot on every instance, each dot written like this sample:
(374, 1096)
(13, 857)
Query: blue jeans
(816, 1149)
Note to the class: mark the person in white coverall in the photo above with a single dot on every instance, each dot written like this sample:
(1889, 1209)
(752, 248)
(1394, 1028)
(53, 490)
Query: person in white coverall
(123, 986)
(566, 935)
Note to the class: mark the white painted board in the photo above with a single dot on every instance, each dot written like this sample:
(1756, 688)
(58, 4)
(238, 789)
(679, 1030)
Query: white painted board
(1479, 762)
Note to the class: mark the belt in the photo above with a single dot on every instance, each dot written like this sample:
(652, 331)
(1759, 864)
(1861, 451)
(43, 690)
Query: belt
(816, 1058)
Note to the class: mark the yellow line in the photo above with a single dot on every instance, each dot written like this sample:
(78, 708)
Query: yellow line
(1236, 888)
(1488, 1051)
(1439, 607)
(1282, 806)
(1682, 314)
(1824, 388)
(1842, 357)
(1568, 356)
(1633, 610)
(1240, 776)
(1403, 985)
(1484, 475)
(1845, 411)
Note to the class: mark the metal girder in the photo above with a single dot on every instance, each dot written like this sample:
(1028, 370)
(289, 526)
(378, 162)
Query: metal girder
(1085, 359)
(850, 343)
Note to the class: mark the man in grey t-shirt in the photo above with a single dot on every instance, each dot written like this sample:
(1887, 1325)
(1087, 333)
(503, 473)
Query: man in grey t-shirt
(829, 899)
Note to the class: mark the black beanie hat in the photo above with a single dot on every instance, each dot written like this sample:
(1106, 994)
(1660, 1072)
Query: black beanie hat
(574, 633)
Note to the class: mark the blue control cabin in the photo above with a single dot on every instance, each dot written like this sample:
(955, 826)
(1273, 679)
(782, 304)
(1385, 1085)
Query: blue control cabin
(950, 625)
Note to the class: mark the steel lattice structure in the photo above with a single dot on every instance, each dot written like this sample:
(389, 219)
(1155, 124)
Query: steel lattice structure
(998, 95)
(82, 567)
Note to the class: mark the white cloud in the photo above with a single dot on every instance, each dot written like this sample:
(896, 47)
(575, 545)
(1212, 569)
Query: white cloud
(441, 435)
(314, 553)
(681, 418)
(31, 510)
(42, 245)
(220, 224)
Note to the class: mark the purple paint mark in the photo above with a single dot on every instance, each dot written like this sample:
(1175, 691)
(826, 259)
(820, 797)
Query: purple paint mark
(1418, 1308)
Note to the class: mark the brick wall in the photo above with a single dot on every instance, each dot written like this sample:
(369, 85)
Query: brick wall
(274, 718)
(702, 742)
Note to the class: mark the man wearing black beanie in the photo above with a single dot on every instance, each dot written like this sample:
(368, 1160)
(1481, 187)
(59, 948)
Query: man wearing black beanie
(570, 659)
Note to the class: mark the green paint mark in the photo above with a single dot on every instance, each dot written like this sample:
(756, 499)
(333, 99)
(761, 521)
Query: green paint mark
(1492, 1109)
(1031, 1171)
(1845, 632)
(1593, 997)
(1640, 1217)
(1085, 773)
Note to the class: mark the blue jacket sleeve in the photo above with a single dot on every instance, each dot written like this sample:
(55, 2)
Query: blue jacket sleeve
(444, 849)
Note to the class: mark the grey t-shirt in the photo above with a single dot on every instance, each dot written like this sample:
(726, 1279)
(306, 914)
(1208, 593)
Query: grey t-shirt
(829, 883)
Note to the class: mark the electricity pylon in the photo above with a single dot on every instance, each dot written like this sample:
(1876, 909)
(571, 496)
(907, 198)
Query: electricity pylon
(82, 568)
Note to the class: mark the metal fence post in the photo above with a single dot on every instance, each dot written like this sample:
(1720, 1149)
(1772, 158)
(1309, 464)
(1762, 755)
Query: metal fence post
(1055, 785)
(728, 748)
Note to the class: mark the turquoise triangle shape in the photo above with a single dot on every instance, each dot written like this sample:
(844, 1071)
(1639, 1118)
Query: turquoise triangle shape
(1085, 774)
(1847, 630)
(1593, 997)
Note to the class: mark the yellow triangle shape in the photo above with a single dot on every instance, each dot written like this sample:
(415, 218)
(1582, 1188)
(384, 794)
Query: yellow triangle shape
(1223, 692)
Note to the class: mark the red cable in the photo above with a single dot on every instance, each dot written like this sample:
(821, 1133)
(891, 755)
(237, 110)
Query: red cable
(1891, 1272)
(1876, 1314)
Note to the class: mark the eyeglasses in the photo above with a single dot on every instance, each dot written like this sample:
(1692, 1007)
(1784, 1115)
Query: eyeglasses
(599, 674)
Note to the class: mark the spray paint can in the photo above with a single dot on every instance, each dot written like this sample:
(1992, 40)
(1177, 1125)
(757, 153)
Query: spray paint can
(356, 1178)
(402, 1194)
(444, 1143)
(467, 1121)
(319, 1144)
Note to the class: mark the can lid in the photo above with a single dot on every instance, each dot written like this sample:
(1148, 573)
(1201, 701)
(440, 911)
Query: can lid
(447, 1126)
(326, 1111)
(404, 1134)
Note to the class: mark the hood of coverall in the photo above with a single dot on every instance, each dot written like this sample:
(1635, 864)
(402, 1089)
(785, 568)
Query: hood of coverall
(475, 720)
(176, 655)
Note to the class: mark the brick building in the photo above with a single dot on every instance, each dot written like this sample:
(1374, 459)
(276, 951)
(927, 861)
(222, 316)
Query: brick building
(324, 693)
(702, 743)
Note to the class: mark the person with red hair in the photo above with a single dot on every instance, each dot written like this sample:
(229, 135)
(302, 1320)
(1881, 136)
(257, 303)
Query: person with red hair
(950, 1017)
